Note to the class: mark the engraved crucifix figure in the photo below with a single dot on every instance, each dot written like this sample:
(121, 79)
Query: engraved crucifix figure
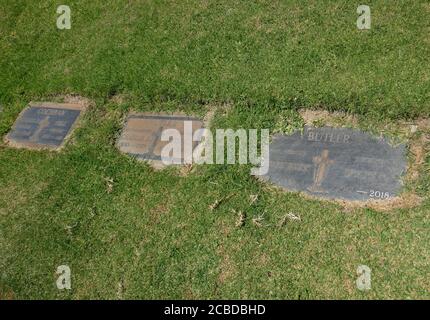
(322, 164)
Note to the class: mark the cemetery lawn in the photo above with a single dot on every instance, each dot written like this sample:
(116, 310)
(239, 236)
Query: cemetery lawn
(127, 231)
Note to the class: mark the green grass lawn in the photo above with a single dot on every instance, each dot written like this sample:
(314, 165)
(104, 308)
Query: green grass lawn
(154, 235)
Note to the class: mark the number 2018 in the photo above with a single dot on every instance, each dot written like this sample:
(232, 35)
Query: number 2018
(379, 194)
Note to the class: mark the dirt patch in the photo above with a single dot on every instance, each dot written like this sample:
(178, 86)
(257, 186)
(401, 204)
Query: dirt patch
(7, 294)
(186, 169)
(419, 149)
(406, 200)
(423, 124)
(157, 212)
(119, 99)
(227, 267)
(223, 109)
(227, 270)
(207, 119)
(319, 118)
(84, 102)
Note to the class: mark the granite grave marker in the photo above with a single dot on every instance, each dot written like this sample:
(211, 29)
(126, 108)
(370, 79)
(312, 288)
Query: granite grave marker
(337, 163)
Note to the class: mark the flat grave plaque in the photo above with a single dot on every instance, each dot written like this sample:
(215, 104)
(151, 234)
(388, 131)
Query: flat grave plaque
(141, 135)
(337, 163)
(44, 125)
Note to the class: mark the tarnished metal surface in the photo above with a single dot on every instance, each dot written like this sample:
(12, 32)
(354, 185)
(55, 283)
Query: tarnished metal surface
(44, 125)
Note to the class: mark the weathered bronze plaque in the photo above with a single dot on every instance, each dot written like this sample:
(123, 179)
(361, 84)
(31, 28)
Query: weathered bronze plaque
(337, 163)
(44, 125)
(142, 133)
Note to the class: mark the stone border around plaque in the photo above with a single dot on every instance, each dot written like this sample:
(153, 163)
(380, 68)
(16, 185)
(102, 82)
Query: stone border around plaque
(141, 134)
(45, 125)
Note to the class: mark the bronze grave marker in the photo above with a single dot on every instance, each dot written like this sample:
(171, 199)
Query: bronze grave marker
(141, 135)
(44, 125)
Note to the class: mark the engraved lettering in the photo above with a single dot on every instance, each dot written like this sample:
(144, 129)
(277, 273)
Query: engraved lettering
(328, 137)
(372, 161)
(346, 138)
(297, 167)
(299, 153)
(43, 124)
(360, 174)
(60, 123)
(51, 112)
